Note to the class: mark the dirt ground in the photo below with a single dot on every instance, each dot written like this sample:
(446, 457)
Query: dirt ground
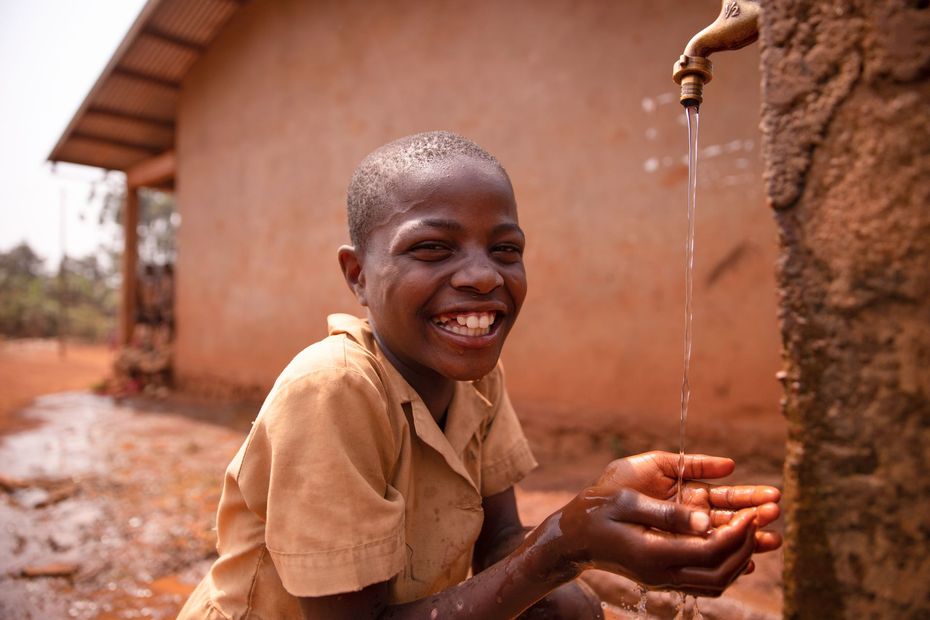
(30, 368)
(107, 508)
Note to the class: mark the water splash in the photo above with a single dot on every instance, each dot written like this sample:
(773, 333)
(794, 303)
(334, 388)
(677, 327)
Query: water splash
(641, 605)
(681, 608)
(691, 112)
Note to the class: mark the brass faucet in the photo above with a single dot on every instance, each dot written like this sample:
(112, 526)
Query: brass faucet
(737, 26)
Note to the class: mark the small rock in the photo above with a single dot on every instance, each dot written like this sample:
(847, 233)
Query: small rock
(56, 495)
(9, 484)
(55, 569)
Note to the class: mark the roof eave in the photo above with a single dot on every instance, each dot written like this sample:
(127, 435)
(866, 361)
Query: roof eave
(136, 28)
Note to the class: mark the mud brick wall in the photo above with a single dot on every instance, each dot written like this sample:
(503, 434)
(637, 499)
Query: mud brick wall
(846, 141)
(578, 102)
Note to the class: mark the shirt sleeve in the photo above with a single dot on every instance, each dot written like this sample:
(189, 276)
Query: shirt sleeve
(506, 454)
(316, 471)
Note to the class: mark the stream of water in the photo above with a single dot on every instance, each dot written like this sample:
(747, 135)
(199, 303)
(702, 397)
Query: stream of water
(692, 114)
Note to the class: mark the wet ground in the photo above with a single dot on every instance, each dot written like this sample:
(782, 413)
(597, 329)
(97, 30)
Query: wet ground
(107, 508)
(106, 511)
(33, 367)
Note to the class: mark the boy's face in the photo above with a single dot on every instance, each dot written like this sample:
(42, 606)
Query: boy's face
(443, 277)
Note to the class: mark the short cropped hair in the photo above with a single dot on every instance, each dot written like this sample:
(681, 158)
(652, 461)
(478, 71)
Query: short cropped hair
(374, 179)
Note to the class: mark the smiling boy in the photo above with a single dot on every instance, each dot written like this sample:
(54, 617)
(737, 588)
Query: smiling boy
(380, 469)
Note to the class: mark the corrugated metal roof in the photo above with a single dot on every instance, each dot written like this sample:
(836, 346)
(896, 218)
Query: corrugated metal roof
(129, 114)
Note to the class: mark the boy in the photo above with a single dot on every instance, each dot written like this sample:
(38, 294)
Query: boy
(381, 467)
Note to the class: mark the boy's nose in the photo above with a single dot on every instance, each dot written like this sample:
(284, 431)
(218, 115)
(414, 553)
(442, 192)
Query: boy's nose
(477, 275)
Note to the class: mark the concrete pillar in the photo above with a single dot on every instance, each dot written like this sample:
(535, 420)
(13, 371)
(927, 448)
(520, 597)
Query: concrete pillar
(846, 127)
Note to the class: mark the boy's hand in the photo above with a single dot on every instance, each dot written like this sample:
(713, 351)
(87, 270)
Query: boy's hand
(629, 524)
(656, 474)
(657, 543)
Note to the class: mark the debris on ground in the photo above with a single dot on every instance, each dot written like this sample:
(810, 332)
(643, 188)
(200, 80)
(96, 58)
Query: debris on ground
(55, 569)
(11, 485)
(108, 511)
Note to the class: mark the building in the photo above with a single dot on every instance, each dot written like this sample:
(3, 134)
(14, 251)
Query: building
(257, 112)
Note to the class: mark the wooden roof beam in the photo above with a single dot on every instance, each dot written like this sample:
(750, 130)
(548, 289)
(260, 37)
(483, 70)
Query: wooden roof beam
(124, 144)
(131, 116)
(145, 77)
(172, 39)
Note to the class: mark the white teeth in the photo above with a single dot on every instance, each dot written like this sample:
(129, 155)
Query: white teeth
(467, 331)
(476, 324)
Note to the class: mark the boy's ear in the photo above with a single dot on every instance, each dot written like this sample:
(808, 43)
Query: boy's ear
(351, 265)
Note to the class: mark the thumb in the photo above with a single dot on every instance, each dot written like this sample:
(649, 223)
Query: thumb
(633, 507)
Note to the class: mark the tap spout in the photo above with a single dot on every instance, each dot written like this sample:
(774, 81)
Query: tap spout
(737, 26)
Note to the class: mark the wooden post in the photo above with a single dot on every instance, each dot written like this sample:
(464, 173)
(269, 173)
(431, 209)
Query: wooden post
(127, 314)
(151, 172)
(62, 278)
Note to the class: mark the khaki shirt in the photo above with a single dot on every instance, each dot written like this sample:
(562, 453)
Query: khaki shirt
(346, 480)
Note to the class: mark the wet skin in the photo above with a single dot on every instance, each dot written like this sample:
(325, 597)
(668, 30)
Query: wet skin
(451, 244)
(622, 524)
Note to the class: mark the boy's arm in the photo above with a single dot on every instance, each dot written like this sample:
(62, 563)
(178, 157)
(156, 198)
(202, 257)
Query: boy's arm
(610, 526)
(501, 534)
(494, 593)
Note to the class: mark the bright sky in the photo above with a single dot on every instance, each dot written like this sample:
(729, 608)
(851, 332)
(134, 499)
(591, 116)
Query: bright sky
(51, 53)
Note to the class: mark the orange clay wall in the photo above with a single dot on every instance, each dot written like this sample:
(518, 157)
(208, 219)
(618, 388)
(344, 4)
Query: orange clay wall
(577, 101)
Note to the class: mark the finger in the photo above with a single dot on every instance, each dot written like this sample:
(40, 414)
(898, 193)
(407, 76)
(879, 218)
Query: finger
(721, 517)
(742, 496)
(715, 579)
(676, 550)
(766, 513)
(696, 494)
(750, 568)
(767, 541)
(696, 466)
(633, 507)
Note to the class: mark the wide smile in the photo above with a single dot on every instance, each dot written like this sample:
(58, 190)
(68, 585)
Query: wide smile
(474, 326)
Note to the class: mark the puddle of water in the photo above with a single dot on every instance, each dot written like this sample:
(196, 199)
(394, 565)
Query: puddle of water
(134, 500)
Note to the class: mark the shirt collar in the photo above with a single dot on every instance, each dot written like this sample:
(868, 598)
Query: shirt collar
(470, 404)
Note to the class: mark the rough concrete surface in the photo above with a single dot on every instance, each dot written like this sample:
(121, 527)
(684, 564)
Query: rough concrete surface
(846, 141)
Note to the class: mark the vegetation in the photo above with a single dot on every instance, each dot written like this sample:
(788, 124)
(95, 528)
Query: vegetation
(158, 221)
(32, 299)
(79, 299)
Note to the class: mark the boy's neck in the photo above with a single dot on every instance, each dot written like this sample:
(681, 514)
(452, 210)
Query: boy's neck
(433, 389)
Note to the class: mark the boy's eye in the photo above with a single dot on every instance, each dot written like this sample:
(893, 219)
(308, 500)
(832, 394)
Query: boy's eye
(430, 251)
(508, 252)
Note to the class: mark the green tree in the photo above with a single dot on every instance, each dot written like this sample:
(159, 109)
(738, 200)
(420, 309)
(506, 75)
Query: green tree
(90, 298)
(158, 221)
(27, 303)
(31, 297)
